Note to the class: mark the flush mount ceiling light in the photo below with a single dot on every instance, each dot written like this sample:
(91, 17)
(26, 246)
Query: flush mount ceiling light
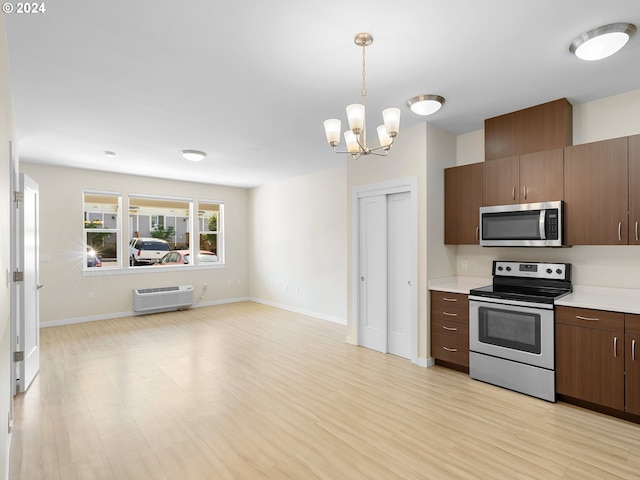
(193, 155)
(356, 136)
(602, 42)
(109, 153)
(426, 104)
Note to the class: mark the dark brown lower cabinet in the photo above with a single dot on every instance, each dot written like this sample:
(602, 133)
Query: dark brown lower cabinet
(450, 329)
(590, 356)
(632, 363)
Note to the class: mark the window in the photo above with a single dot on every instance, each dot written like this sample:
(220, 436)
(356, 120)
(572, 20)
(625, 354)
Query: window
(101, 229)
(162, 222)
(210, 221)
(162, 231)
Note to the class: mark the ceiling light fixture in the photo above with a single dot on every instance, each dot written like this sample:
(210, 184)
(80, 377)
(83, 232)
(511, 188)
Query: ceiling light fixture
(426, 104)
(602, 42)
(356, 136)
(109, 153)
(193, 155)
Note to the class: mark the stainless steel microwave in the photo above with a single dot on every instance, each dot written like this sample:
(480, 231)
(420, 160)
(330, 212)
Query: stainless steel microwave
(523, 225)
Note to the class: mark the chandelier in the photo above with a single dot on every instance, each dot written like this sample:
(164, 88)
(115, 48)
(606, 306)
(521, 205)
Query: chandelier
(356, 136)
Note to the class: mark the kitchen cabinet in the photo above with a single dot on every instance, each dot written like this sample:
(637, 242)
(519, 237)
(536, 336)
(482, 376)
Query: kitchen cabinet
(634, 190)
(542, 127)
(590, 356)
(462, 201)
(632, 363)
(450, 329)
(596, 193)
(529, 178)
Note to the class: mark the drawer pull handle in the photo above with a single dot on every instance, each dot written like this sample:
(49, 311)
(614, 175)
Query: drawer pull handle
(615, 347)
(633, 350)
(513, 193)
(453, 329)
(449, 299)
(478, 232)
(450, 314)
(450, 349)
(587, 318)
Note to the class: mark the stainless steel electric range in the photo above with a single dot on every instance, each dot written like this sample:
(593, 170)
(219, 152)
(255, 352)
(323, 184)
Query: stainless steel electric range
(512, 326)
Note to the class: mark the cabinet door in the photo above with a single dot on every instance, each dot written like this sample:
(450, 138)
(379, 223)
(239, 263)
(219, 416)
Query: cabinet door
(634, 190)
(596, 193)
(541, 176)
(500, 181)
(590, 355)
(590, 365)
(632, 364)
(462, 201)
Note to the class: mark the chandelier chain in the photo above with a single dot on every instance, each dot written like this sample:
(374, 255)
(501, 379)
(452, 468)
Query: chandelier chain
(363, 91)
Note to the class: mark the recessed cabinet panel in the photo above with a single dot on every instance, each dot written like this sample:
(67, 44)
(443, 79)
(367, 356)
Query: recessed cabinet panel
(596, 186)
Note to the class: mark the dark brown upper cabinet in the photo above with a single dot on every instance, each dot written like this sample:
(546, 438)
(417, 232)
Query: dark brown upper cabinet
(543, 127)
(634, 190)
(462, 202)
(530, 178)
(596, 193)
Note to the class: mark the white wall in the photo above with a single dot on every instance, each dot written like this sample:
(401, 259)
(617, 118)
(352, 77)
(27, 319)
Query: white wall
(66, 298)
(299, 244)
(610, 266)
(6, 135)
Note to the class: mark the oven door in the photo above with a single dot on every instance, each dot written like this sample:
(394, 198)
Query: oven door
(517, 331)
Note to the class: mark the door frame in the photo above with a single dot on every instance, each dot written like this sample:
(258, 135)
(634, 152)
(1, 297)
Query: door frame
(13, 265)
(400, 185)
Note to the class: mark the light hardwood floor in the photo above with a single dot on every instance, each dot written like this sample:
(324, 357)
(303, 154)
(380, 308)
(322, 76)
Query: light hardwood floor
(246, 391)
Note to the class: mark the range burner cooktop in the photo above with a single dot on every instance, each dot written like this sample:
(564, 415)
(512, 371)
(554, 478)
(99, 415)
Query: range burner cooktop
(539, 282)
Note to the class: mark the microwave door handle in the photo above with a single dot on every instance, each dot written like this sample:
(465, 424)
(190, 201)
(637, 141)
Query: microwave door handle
(543, 235)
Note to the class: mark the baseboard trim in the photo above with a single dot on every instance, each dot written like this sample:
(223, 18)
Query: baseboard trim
(111, 316)
(308, 313)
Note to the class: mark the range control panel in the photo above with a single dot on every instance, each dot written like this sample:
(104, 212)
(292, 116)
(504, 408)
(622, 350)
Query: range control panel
(542, 270)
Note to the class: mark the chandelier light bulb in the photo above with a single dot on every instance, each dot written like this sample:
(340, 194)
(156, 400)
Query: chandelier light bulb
(383, 136)
(332, 129)
(355, 115)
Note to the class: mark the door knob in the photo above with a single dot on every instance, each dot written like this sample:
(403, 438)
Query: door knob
(39, 287)
(362, 279)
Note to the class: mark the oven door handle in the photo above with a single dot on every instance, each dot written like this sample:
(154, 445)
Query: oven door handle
(516, 303)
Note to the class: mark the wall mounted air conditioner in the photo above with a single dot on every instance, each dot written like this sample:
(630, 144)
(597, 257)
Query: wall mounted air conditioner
(162, 298)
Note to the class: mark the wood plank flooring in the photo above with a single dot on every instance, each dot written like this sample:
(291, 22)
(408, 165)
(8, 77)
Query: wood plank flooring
(246, 391)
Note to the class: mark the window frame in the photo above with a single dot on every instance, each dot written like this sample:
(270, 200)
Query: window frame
(117, 230)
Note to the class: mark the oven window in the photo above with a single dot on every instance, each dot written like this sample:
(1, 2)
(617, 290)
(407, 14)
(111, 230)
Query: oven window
(510, 329)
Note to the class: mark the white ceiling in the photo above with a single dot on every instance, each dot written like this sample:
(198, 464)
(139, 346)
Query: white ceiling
(250, 82)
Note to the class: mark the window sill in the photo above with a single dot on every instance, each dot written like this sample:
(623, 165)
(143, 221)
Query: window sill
(100, 271)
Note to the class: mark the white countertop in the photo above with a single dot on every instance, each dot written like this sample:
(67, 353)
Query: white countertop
(624, 300)
(458, 284)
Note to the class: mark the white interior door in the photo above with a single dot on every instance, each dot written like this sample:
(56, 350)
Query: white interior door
(372, 278)
(28, 334)
(399, 278)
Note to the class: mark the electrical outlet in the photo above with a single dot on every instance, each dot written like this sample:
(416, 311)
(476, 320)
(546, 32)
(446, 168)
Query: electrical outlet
(90, 296)
(465, 265)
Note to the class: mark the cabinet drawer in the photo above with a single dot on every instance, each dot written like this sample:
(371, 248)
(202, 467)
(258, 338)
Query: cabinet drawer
(453, 329)
(596, 319)
(448, 349)
(632, 324)
(453, 313)
(450, 299)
